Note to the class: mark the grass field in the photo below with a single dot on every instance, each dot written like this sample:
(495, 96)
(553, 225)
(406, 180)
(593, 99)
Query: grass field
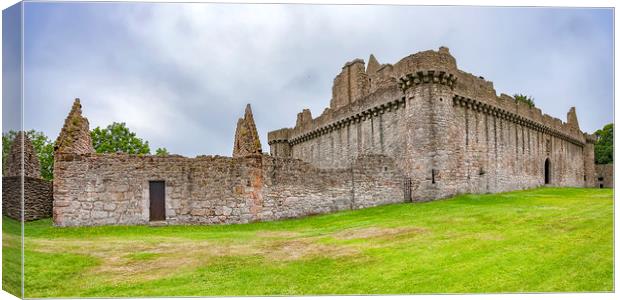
(542, 240)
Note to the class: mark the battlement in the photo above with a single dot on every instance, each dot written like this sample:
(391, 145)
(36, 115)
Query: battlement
(279, 136)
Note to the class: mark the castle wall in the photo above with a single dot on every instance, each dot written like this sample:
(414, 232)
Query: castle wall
(605, 176)
(451, 133)
(369, 126)
(102, 189)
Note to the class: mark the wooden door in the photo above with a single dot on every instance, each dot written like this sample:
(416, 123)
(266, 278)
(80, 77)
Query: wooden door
(157, 197)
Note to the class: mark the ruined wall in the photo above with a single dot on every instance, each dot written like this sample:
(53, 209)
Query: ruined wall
(99, 189)
(37, 198)
(350, 85)
(450, 133)
(21, 148)
(605, 176)
(294, 188)
(246, 136)
(23, 162)
(74, 136)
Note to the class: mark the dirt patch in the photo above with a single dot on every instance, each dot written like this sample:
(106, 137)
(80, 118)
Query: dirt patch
(305, 248)
(175, 255)
(377, 232)
(277, 234)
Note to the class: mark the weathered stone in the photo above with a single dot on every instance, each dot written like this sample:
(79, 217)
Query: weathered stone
(25, 195)
(605, 175)
(21, 147)
(109, 206)
(75, 134)
(246, 136)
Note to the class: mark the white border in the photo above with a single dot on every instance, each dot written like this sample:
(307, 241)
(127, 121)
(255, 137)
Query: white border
(540, 3)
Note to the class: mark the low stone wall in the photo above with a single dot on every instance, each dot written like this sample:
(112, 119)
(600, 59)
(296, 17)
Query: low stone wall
(106, 189)
(37, 198)
(295, 188)
(605, 176)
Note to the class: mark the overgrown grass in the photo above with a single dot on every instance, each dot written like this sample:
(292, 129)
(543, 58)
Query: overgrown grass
(542, 240)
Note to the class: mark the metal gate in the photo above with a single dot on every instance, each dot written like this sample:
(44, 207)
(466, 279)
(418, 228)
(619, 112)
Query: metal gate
(407, 189)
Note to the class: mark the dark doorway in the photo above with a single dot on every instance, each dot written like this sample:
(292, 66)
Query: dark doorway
(547, 171)
(157, 197)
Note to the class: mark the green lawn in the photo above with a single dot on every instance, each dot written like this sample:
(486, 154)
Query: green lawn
(542, 240)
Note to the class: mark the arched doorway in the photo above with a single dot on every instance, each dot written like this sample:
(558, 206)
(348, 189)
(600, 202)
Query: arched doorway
(547, 171)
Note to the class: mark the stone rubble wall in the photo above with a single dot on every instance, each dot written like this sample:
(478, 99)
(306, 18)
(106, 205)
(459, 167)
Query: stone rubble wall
(38, 197)
(21, 147)
(605, 176)
(110, 189)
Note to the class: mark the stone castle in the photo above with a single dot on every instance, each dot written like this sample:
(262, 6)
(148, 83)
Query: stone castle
(417, 130)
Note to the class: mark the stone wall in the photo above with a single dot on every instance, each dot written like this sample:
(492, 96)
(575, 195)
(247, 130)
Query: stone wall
(447, 131)
(38, 197)
(21, 147)
(100, 189)
(605, 176)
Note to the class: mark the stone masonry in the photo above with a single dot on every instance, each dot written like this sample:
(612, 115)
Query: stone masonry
(446, 130)
(37, 192)
(605, 176)
(103, 189)
(246, 136)
(417, 130)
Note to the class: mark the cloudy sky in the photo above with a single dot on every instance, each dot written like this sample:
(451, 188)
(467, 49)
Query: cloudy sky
(180, 75)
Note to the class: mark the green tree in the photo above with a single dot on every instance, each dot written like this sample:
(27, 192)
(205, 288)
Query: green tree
(162, 152)
(117, 137)
(604, 146)
(42, 145)
(525, 99)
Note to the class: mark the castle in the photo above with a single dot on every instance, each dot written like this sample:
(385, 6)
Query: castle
(417, 130)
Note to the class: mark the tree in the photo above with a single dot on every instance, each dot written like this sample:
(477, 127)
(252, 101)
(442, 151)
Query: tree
(525, 99)
(604, 146)
(162, 152)
(117, 137)
(42, 145)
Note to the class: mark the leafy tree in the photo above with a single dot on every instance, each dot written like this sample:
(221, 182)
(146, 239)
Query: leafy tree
(117, 137)
(604, 146)
(42, 145)
(162, 152)
(525, 99)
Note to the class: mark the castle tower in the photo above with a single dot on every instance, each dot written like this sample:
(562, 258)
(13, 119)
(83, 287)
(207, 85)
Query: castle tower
(278, 142)
(75, 134)
(588, 160)
(246, 136)
(22, 147)
(427, 79)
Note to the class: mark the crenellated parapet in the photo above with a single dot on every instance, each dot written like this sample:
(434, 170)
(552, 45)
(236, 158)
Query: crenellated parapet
(351, 119)
(546, 124)
(422, 77)
(590, 138)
